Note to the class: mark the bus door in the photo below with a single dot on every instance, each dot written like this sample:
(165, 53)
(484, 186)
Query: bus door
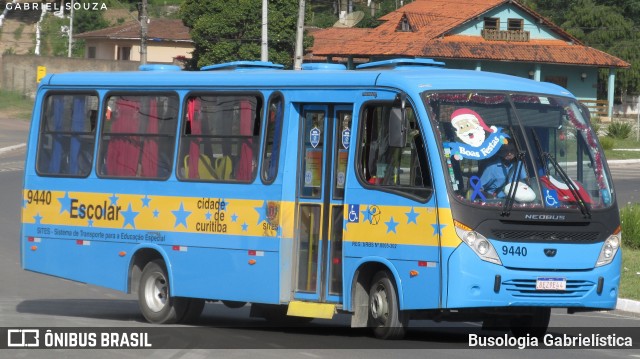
(325, 136)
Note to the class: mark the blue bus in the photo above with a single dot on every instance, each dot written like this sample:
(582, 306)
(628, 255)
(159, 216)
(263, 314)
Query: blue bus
(399, 190)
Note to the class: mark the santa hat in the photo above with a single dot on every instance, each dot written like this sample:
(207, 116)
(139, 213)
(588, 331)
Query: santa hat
(465, 113)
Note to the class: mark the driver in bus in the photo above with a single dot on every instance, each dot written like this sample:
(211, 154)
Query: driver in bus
(496, 175)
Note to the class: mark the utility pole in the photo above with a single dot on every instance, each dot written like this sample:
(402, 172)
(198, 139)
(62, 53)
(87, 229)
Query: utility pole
(144, 21)
(264, 48)
(297, 63)
(70, 30)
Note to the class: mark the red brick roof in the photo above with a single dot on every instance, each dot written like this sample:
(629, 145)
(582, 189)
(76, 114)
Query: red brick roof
(158, 29)
(432, 23)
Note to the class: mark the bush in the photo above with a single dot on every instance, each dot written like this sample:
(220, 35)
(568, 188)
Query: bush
(630, 218)
(596, 125)
(607, 143)
(619, 130)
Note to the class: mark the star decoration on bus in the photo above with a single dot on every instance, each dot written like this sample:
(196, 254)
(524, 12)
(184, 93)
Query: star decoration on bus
(156, 213)
(114, 199)
(145, 201)
(244, 226)
(412, 216)
(129, 217)
(65, 203)
(208, 215)
(181, 216)
(262, 212)
(437, 228)
(391, 225)
(234, 217)
(38, 218)
(90, 223)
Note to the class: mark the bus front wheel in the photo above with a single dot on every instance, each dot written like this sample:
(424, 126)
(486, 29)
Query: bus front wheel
(154, 299)
(385, 316)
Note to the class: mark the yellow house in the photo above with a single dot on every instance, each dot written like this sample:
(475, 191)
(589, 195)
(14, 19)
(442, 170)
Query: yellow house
(167, 39)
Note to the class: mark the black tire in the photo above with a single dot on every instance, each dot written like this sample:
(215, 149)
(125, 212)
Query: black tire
(156, 305)
(195, 307)
(535, 324)
(385, 317)
(233, 304)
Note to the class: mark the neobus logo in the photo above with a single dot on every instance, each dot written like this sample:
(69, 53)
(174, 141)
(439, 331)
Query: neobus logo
(546, 217)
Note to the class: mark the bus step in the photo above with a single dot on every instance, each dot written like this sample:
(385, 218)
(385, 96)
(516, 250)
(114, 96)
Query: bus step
(311, 310)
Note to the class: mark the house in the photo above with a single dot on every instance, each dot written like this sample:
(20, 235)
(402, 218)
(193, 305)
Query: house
(491, 35)
(166, 40)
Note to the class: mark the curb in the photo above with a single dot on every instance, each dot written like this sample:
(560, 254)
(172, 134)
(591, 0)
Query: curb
(623, 161)
(628, 305)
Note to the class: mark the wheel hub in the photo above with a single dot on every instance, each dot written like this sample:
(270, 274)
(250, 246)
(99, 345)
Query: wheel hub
(379, 306)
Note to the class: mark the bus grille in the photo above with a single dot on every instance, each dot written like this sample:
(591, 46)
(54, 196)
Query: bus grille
(527, 288)
(544, 236)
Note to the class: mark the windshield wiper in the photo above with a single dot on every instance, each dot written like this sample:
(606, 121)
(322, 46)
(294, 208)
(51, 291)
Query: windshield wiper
(572, 187)
(514, 182)
(546, 156)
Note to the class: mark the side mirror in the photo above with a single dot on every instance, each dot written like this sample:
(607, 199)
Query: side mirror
(397, 127)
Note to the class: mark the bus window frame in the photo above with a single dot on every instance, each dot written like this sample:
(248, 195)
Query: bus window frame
(123, 93)
(263, 147)
(183, 123)
(429, 190)
(95, 131)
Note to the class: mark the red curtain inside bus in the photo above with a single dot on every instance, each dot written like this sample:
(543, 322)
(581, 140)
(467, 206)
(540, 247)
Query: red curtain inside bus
(122, 159)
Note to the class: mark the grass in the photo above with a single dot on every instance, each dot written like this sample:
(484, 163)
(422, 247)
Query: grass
(14, 104)
(630, 278)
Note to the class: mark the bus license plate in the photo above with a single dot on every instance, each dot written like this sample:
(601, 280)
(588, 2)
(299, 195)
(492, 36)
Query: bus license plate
(547, 283)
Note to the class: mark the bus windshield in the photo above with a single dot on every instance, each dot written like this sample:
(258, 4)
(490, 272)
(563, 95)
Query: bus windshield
(519, 151)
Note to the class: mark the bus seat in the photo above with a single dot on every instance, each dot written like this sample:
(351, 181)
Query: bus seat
(223, 168)
(205, 169)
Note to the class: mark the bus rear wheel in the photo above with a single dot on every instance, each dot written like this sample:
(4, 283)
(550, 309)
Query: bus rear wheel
(385, 316)
(154, 299)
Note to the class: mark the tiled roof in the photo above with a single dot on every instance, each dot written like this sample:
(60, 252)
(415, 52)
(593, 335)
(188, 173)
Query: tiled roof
(432, 22)
(158, 29)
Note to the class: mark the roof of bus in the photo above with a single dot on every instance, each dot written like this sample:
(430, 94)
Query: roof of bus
(409, 79)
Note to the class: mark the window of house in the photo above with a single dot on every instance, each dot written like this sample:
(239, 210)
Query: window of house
(558, 80)
(491, 23)
(397, 169)
(124, 53)
(91, 52)
(138, 136)
(67, 135)
(404, 25)
(515, 24)
(220, 138)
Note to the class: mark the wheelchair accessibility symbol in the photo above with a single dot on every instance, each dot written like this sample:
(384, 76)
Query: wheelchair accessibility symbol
(354, 213)
(551, 198)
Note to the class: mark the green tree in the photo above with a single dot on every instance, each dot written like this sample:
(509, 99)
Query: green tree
(224, 31)
(607, 25)
(88, 20)
(606, 28)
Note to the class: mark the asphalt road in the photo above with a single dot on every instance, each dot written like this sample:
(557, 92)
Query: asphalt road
(34, 300)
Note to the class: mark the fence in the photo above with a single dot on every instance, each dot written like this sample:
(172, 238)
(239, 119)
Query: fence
(597, 107)
(19, 72)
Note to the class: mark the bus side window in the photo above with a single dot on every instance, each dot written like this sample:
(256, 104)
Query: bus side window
(138, 137)
(273, 137)
(67, 135)
(219, 138)
(403, 169)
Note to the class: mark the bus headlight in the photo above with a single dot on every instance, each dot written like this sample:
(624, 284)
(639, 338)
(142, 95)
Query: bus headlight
(478, 243)
(609, 249)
